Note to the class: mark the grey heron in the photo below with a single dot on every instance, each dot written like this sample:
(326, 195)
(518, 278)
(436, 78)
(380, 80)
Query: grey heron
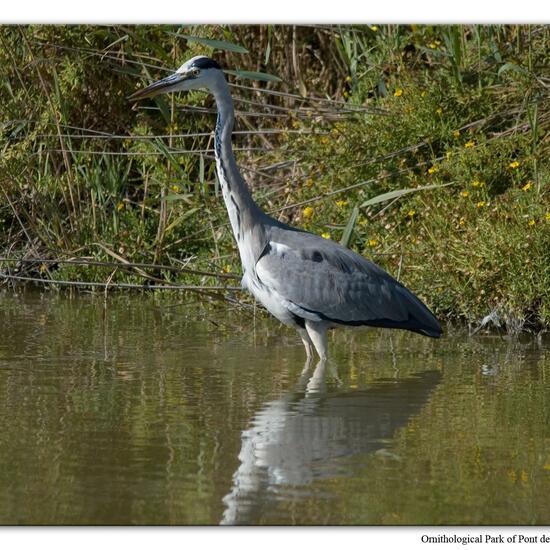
(307, 282)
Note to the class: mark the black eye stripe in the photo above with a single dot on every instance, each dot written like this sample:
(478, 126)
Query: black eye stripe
(205, 63)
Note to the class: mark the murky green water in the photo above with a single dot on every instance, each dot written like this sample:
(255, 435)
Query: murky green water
(135, 411)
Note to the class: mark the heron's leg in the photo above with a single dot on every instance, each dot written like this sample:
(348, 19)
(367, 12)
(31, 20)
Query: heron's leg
(318, 334)
(308, 344)
(317, 382)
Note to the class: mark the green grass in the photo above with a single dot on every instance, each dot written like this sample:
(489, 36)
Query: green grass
(361, 111)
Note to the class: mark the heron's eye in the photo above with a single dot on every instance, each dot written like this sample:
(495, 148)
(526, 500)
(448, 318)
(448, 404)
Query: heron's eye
(196, 72)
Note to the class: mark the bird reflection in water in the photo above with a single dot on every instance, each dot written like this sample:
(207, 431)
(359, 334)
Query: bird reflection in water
(309, 433)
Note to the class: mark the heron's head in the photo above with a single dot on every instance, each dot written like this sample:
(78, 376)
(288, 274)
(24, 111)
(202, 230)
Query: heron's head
(198, 72)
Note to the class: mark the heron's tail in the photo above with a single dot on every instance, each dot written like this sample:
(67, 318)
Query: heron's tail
(431, 333)
(421, 319)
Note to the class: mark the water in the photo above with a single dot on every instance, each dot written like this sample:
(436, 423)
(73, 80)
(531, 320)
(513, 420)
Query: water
(136, 410)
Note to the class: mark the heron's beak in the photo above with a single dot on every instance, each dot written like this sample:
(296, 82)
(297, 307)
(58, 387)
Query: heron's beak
(159, 86)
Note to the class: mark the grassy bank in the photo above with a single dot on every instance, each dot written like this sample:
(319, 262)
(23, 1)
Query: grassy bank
(93, 190)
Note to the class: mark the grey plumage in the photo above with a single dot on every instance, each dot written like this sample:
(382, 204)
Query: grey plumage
(325, 281)
(305, 281)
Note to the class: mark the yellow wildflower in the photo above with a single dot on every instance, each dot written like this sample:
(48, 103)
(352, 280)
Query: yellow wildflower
(432, 45)
(348, 78)
(175, 188)
(513, 165)
(325, 235)
(373, 28)
(531, 223)
(423, 93)
(411, 213)
(307, 212)
(226, 268)
(469, 144)
(373, 242)
(324, 140)
(527, 186)
(449, 154)
(480, 204)
(548, 217)
(456, 133)
(433, 170)
(341, 203)
(398, 92)
(309, 182)
(439, 110)
(461, 221)
(524, 476)
(477, 183)
(465, 194)
(120, 206)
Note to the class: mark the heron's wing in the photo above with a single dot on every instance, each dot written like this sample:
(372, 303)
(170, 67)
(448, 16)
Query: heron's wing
(318, 279)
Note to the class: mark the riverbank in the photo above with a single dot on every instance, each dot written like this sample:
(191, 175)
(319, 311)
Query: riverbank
(96, 193)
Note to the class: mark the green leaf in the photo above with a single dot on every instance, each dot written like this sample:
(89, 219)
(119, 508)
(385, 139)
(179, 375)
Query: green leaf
(346, 235)
(400, 192)
(201, 173)
(382, 89)
(121, 39)
(252, 75)
(215, 44)
(511, 67)
(166, 152)
(434, 52)
(268, 48)
(164, 108)
(177, 221)
(177, 197)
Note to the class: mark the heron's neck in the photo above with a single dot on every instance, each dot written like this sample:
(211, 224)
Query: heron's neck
(244, 214)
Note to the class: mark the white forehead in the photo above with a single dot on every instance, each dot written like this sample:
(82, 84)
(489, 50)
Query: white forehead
(187, 65)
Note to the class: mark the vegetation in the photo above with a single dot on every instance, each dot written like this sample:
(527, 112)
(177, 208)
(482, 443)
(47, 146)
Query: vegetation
(94, 190)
